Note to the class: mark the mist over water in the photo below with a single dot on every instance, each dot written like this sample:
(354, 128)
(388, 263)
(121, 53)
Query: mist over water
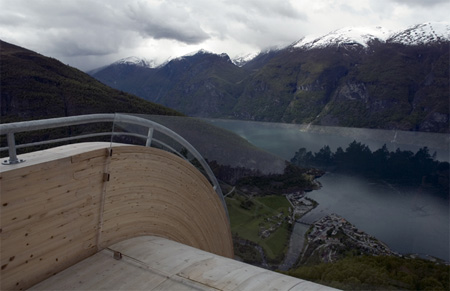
(285, 139)
(408, 220)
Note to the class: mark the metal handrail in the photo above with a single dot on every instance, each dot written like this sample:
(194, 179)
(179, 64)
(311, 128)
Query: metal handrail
(9, 129)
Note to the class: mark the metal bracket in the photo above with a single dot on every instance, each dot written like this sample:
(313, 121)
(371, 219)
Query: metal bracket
(12, 162)
(117, 255)
(12, 151)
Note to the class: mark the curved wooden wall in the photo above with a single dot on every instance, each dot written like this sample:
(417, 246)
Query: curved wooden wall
(154, 192)
(56, 209)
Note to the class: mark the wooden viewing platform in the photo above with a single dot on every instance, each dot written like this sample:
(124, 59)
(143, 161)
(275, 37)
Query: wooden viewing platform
(66, 210)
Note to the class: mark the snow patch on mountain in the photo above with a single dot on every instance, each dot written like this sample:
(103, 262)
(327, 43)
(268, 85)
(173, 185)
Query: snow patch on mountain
(345, 36)
(243, 59)
(417, 34)
(423, 33)
(135, 61)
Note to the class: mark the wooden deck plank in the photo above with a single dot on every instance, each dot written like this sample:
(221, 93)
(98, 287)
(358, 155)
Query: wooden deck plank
(154, 263)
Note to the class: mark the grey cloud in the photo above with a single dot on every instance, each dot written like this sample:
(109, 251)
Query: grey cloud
(12, 19)
(284, 9)
(262, 24)
(270, 8)
(424, 3)
(166, 21)
(96, 27)
(82, 43)
(85, 40)
(94, 30)
(64, 28)
(175, 31)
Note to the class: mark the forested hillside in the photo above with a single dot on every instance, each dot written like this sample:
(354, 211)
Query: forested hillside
(35, 87)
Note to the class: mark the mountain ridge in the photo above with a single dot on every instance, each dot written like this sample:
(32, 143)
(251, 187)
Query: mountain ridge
(412, 35)
(388, 84)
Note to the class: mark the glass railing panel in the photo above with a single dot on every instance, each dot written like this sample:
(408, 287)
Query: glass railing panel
(222, 146)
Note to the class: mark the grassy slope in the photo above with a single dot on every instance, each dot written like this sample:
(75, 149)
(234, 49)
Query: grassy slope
(247, 222)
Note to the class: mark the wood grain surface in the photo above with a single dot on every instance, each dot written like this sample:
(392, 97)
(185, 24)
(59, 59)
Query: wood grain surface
(57, 209)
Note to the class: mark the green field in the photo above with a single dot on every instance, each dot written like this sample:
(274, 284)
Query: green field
(249, 217)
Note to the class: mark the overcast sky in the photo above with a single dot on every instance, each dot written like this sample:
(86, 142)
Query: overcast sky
(91, 33)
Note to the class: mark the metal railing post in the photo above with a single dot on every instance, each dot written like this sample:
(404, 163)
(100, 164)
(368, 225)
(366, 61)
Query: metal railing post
(149, 137)
(12, 150)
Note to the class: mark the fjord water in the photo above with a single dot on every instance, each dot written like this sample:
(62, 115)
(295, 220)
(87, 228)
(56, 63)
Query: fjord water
(285, 139)
(409, 220)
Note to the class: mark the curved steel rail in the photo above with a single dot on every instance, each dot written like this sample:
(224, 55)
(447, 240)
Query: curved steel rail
(9, 129)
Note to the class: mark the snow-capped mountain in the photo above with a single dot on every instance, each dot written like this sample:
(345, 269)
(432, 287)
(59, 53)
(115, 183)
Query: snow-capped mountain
(141, 62)
(345, 36)
(349, 36)
(384, 86)
(417, 34)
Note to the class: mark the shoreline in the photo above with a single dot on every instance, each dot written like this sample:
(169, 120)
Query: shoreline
(370, 244)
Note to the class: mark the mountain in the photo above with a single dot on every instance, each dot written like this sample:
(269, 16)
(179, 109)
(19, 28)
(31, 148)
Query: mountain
(360, 36)
(420, 34)
(377, 84)
(132, 61)
(137, 62)
(34, 87)
(354, 77)
(201, 83)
